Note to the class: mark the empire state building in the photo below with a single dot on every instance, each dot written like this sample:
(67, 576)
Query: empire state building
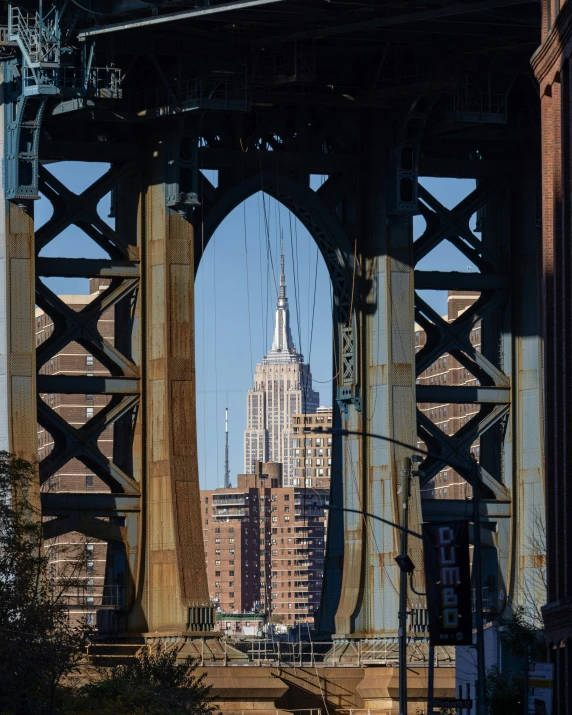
(282, 388)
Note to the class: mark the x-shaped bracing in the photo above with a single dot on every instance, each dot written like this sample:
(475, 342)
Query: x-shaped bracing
(453, 225)
(82, 327)
(81, 210)
(81, 443)
(455, 450)
(454, 338)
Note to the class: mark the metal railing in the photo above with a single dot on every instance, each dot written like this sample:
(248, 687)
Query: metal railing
(95, 597)
(99, 81)
(308, 711)
(220, 93)
(477, 107)
(337, 654)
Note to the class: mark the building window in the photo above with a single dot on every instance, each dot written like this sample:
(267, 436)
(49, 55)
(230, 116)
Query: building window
(89, 360)
(89, 567)
(88, 413)
(89, 481)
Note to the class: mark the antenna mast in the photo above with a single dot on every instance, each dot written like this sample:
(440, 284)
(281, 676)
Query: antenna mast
(227, 484)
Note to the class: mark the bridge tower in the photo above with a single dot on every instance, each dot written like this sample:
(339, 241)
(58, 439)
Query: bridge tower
(268, 93)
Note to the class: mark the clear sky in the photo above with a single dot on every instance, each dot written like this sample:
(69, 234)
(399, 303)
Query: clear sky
(235, 300)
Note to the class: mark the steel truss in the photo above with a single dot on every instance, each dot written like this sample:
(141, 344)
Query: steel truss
(509, 473)
(372, 272)
(113, 517)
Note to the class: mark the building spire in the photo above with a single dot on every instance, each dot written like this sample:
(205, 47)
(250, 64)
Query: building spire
(282, 274)
(283, 347)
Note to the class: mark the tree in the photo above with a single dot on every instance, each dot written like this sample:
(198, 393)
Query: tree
(522, 642)
(38, 646)
(153, 684)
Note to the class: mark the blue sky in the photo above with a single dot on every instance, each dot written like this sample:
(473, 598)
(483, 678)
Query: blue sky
(235, 299)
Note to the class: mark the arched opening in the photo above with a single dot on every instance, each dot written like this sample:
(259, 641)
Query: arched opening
(269, 543)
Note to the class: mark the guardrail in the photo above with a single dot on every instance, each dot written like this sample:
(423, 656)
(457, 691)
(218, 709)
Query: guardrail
(331, 654)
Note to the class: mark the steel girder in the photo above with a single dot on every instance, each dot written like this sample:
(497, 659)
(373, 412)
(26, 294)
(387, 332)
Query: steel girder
(153, 505)
(507, 371)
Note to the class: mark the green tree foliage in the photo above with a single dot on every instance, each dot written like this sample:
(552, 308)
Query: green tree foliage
(523, 643)
(505, 692)
(38, 646)
(153, 684)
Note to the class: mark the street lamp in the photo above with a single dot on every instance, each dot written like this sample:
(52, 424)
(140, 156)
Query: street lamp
(406, 565)
(406, 568)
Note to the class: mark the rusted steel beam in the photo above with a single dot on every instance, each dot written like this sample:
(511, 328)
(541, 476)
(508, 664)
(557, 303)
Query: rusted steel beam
(18, 433)
(174, 576)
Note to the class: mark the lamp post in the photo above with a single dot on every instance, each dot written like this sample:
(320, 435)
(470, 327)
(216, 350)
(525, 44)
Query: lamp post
(406, 566)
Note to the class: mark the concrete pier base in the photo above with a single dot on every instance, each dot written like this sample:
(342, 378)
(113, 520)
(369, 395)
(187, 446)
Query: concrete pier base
(269, 691)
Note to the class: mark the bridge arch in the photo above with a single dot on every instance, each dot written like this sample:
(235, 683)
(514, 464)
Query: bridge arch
(322, 225)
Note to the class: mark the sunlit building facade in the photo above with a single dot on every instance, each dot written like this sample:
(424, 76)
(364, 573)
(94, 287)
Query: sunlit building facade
(282, 388)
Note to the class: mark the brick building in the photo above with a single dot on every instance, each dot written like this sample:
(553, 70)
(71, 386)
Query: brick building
(73, 554)
(449, 417)
(310, 453)
(264, 547)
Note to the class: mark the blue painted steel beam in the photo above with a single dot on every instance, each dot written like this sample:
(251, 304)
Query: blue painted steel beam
(86, 268)
(442, 394)
(87, 385)
(184, 15)
(456, 280)
(442, 509)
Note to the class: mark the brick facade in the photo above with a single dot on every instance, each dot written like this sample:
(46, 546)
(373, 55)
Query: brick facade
(264, 547)
(551, 64)
(311, 453)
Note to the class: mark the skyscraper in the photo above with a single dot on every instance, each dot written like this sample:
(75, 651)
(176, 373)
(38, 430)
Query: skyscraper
(282, 388)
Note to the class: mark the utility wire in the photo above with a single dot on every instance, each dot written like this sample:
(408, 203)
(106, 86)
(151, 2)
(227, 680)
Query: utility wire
(247, 286)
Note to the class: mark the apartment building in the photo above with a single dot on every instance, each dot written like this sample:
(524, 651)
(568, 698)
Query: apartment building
(265, 547)
(311, 453)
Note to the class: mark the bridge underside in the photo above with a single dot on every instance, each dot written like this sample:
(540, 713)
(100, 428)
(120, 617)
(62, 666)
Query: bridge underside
(376, 99)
